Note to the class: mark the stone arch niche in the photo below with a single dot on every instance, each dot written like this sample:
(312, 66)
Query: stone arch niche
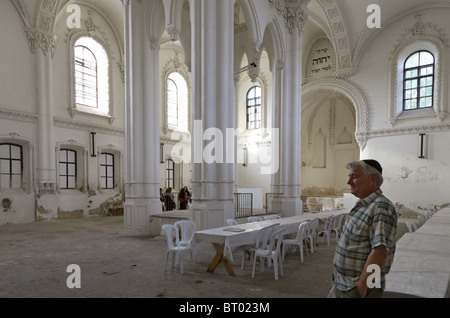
(328, 142)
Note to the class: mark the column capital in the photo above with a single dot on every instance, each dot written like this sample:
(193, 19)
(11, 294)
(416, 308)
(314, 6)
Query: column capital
(39, 39)
(294, 13)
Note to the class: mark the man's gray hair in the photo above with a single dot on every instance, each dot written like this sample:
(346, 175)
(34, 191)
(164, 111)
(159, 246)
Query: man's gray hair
(367, 170)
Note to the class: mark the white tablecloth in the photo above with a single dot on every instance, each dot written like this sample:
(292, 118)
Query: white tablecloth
(233, 240)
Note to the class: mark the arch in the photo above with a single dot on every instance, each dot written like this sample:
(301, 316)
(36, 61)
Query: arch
(353, 93)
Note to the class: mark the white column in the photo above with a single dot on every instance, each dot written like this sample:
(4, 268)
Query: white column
(142, 122)
(213, 104)
(291, 203)
(43, 45)
(288, 85)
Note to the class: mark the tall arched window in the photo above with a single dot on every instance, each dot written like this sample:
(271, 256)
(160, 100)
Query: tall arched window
(418, 81)
(85, 77)
(91, 76)
(11, 166)
(254, 108)
(177, 102)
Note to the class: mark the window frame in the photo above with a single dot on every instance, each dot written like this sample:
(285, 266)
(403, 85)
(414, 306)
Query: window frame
(10, 159)
(176, 107)
(256, 106)
(105, 110)
(402, 51)
(418, 79)
(106, 170)
(76, 72)
(67, 163)
(182, 110)
(170, 168)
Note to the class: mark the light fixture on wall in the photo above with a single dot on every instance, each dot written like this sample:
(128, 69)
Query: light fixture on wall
(422, 146)
(161, 152)
(244, 164)
(245, 68)
(93, 144)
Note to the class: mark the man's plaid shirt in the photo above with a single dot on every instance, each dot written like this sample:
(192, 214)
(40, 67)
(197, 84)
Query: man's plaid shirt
(371, 223)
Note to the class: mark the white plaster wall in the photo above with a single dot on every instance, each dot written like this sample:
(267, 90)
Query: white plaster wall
(17, 77)
(21, 209)
(415, 183)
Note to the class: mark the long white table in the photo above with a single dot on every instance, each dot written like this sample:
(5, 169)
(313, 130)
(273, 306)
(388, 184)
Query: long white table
(229, 238)
(421, 264)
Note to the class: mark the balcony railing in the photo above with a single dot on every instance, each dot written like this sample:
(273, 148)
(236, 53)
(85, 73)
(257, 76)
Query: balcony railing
(243, 205)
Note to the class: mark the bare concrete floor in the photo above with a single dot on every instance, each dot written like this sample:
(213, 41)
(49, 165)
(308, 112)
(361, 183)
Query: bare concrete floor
(34, 259)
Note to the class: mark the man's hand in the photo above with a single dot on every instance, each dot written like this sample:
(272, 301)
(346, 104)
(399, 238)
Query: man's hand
(378, 256)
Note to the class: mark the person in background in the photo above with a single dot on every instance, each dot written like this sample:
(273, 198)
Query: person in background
(189, 196)
(169, 201)
(183, 198)
(368, 236)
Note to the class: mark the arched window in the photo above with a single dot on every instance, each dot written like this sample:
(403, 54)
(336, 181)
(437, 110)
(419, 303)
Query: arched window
(254, 108)
(11, 166)
(91, 77)
(107, 171)
(177, 102)
(85, 77)
(67, 169)
(172, 102)
(418, 81)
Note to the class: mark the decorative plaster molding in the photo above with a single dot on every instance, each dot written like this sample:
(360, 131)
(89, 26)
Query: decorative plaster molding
(154, 43)
(18, 116)
(350, 91)
(70, 124)
(294, 15)
(38, 39)
(339, 37)
(408, 130)
(173, 32)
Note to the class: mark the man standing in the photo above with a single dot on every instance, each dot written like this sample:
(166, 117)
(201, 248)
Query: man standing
(367, 241)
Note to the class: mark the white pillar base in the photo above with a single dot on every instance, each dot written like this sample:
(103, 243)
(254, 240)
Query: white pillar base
(211, 214)
(288, 206)
(137, 214)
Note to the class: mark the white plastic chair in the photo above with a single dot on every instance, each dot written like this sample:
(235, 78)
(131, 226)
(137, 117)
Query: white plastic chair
(327, 229)
(186, 231)
(272, 252)
(299, 240)
(338, 224)
(412, 227)
(311, 232)
(231, 222)
(272, 217)
(176, 249)
(422, 219)
(261, 241)
(252, 219)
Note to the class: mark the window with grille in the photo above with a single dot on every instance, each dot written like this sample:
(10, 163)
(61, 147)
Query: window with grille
(170, 173)
(107, 171)
(11, 166)
(91, 76)
(254, 108)
(67, 169)
(418, 81)
(85, 77)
